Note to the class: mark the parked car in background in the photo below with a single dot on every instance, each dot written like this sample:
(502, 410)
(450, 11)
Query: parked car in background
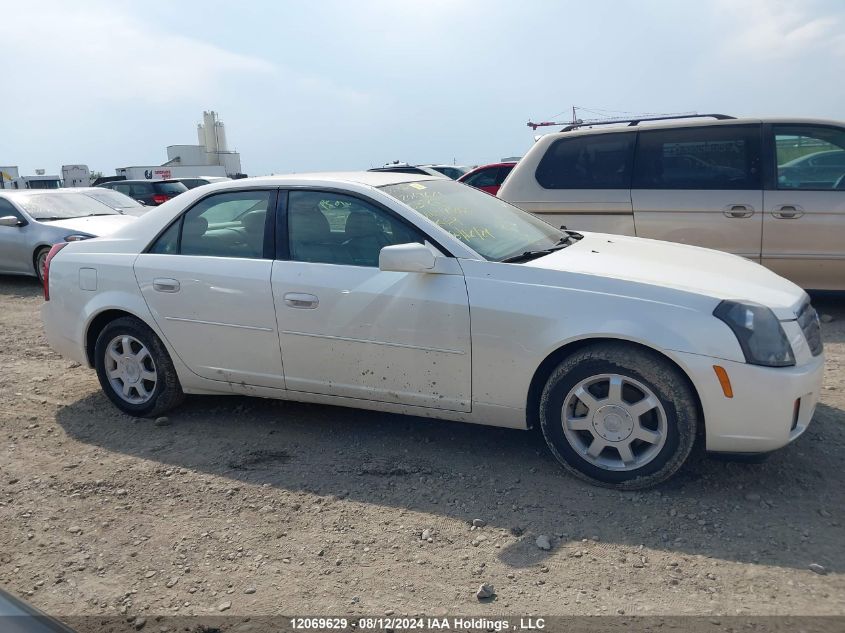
(405, 168)
(815, 169)
(114, 199)
(151, 192)
(192, 183)
(770, 190)
(487, 177)
(450, 171)
(32, 221)
(419, 295)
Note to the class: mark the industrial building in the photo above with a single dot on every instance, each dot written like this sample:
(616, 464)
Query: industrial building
(210, 157)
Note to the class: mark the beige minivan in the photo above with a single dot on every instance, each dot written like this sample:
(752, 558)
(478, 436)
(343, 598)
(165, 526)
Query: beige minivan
(771, 190)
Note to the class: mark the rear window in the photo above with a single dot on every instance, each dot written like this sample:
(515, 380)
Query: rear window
(602, 161)
(169, 188)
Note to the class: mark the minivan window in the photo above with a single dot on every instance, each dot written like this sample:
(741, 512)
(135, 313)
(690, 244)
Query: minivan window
(810, 157)
(717, 157)
(601, 161)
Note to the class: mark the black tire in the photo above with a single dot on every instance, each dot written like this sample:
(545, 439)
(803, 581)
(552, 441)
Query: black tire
(167, 392)
(651, 370)
(37, 259)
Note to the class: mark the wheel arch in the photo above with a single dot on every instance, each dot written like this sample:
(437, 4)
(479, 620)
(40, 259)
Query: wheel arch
(98, 323)
(547, 366)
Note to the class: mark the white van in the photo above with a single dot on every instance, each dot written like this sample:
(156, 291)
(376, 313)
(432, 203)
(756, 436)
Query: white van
(770, 190)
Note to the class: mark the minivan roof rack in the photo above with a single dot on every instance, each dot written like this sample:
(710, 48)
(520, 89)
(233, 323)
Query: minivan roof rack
(574, 125)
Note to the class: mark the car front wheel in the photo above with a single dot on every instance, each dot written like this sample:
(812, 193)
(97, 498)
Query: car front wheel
(135, 370)
(40, 262)
(619, 416)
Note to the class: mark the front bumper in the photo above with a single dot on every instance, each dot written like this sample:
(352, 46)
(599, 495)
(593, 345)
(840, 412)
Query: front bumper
(761, 416)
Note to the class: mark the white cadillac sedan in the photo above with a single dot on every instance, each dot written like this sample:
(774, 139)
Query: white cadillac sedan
(424, 296)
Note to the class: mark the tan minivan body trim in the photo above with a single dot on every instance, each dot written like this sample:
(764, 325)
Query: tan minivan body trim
(808, 249)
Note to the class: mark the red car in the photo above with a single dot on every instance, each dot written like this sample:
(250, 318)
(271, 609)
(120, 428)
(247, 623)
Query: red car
(487, 177)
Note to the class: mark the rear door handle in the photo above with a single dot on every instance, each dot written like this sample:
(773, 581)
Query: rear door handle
(788, 212)
(738, 211)
(165, 285)
(301, 300)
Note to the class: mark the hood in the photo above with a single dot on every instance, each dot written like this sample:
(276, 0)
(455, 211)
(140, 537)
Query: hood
(688, 268)
(97, 225)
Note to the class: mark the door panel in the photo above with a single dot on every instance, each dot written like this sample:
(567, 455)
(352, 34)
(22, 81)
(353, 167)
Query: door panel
(725, 220)
(385, 336)
(217, 313)
(208, 286)
(808, 249)
(350, 329)
(804, 224)
(15, 242)
(700, 185)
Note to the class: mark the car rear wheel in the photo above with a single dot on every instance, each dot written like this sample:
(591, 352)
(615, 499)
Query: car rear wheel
(135, 370)
(619, 416)
(40, 261)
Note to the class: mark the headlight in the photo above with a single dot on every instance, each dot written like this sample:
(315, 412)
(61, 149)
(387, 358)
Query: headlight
(77, 237)
(759, 333)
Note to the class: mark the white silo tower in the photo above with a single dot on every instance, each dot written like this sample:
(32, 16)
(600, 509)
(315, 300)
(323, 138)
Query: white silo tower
(221, 137)
(209, 120)
(200, 134)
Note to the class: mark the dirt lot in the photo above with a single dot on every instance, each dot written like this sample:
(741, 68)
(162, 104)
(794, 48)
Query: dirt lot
(254, 506)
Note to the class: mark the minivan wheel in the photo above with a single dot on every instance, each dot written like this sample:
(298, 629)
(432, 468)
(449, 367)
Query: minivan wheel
(619, 416)
(135, 370)
(40, 261)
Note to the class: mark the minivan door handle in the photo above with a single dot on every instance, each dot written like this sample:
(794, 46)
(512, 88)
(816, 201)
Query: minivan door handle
(165, 285)
(788, 212)
(738, 211)
(301, 300)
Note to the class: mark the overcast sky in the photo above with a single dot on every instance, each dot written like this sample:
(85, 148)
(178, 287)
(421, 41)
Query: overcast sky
(323, 85)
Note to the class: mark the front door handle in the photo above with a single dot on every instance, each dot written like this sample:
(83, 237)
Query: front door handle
(788, 212)
(165, 285)
(301, 300)
(738, 211)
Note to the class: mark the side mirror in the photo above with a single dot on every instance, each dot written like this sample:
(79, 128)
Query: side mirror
(406, 258)
(10, 220)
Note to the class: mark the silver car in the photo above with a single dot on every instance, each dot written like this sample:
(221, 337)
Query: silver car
(32, 221)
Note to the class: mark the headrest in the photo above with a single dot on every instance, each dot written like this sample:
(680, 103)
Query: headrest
(308, 225)
(361, 224)
(254, 222)
(194, 227)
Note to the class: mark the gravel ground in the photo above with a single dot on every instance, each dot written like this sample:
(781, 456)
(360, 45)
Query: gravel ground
(240, 506)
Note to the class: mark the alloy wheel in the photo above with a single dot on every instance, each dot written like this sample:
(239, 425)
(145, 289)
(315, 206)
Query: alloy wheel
(130, 369)
(614, 422)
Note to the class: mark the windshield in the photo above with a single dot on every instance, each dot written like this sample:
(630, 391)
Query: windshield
(114, 199)
(493, 228)
(55, 206)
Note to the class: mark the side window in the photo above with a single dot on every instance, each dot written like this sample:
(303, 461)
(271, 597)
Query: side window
(7, 208)
(602, 161)
(810, 157)
(124, 189)
(332, 228)
(502, 174)
(168, 242)
(224, 225)
(718, 157)
(484, 178)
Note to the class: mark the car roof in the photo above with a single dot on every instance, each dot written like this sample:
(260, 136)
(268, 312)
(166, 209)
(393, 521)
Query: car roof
(690, 123)
(367, 178)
